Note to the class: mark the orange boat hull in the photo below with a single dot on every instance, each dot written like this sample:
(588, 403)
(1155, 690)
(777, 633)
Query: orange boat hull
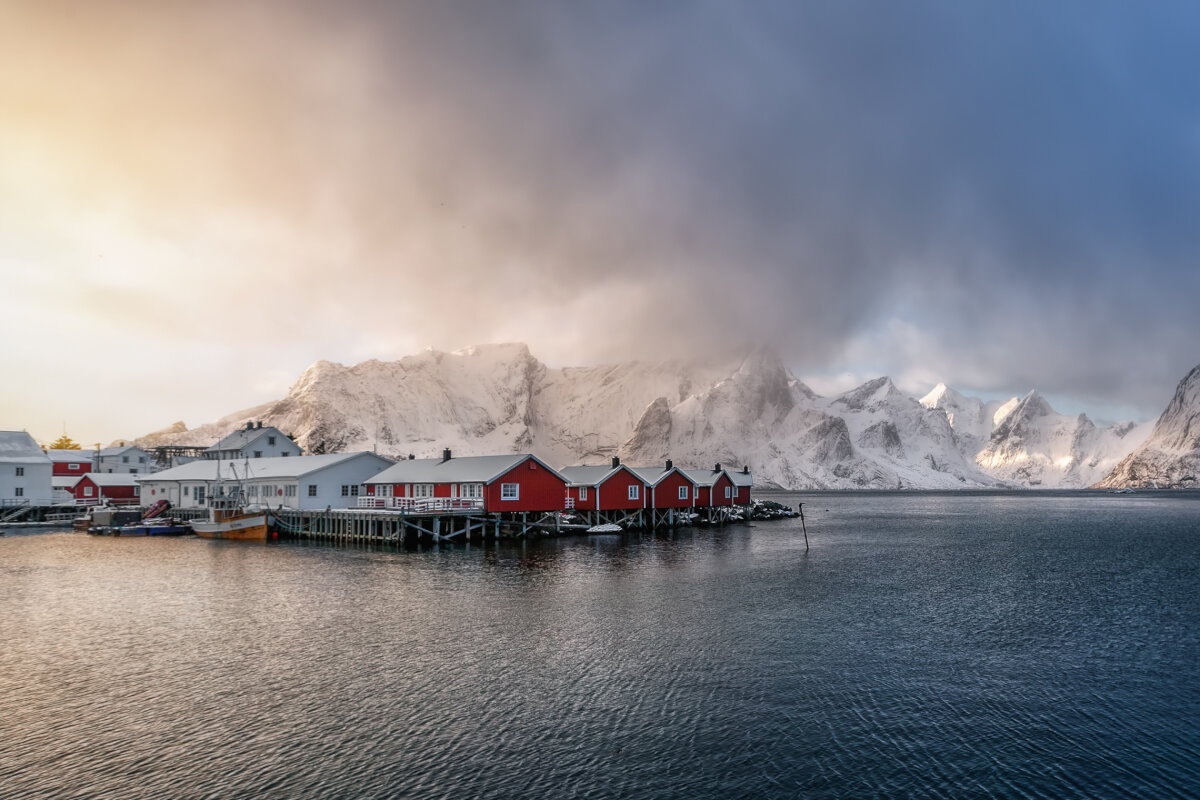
(252, 527)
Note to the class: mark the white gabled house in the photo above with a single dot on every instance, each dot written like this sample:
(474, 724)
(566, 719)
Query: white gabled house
(124, 458)
(297, 482)
(25, 471)
(253, 441)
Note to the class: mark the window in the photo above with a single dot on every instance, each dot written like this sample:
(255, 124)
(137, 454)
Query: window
(258, 453)
(20, 492)
(185, 490)
(73, 466)
(633, 492)
(683, 493)
(726, 492)
(350, 491)
(200, 495)
(137, 491)
(270, 441)
(133, 471)
(141, 459)
(510, 491)
(345, 490)
(422, 490)
(583, 493)
(471, 490)
(289, 491)
(20, 471)
(87, 491)
(312, 490)
(285, 454)
(124, 459)
(354, 490)
(252, 491)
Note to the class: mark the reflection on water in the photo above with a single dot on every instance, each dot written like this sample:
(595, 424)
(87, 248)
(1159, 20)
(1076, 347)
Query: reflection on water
(1020, 645)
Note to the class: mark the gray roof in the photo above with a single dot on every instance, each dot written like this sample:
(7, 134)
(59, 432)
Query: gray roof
(593, 476)
(740, 478)
(463, 469)
(116, 451)
(65, 481)
(654, 475)
(703, 477)
(20, 448)
(257, 468)
(64, 456)
(112, 478)
(243, 437)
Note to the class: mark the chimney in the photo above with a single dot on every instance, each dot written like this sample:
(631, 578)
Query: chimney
(411, 457)
(669, 464)
(746, 470)
(446, 454)
(249, 426)
(717, 467)
(616, 462)
(260, 423)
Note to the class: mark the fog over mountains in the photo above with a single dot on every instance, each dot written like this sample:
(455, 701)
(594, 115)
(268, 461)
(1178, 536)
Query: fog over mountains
(746, 411)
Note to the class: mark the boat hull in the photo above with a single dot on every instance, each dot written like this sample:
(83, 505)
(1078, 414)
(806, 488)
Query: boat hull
(252, 527)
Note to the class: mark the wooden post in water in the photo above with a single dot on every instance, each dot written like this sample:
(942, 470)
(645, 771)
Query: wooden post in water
(803, 526)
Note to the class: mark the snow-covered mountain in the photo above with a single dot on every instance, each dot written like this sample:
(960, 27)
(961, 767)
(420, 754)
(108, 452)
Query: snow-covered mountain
(745, 411)
(1170, 457)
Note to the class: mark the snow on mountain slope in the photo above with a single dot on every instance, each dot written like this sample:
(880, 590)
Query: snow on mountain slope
(1034, 446)
(744, 411)
(1170, 457)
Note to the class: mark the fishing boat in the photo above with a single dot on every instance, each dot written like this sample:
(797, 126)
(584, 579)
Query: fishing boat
(156, 526)
(230, 518)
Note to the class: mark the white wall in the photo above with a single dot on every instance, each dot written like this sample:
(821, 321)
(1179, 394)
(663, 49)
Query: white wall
(35, 484)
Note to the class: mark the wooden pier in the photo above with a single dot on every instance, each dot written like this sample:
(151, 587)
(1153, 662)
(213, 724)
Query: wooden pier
(399, 527)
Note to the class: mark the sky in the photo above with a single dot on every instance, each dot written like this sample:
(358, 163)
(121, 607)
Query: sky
(198, 200)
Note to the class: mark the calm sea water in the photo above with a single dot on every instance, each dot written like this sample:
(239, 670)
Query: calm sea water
(926, 645)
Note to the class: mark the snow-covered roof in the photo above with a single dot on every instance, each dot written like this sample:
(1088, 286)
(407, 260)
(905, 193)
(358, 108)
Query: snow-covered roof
(65, 481)
(703, 477)
(465, 469)
(20, 448)
(112, 478)
(243, 437)
(257, 468)
(655, 475)
(69, 456)
(109, 452)
(594, 476)
(740, 478)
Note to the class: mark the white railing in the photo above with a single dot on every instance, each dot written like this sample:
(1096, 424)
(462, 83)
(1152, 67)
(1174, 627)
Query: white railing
(568, 503)
(422, 504)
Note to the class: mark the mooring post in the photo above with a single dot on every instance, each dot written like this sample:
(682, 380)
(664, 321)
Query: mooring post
(803, 526)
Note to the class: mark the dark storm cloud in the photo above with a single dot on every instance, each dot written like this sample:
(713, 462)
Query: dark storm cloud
(1019, 182)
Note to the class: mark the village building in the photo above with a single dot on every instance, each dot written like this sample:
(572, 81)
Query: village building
(714, 487)
(612, 488)
(71, 462)
(742, 485)
(670, 487)
(63, 487)
(493, 484)
(253, 441)
(25, 471)
(297, 482)
(107, 488)
(123, 458)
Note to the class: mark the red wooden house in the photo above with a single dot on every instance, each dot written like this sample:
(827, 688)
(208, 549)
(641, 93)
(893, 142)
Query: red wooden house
(613, 488)
(114, 488)
(714, 488)
(494, 484)
(742, 484)
(669, 487)
(70, 463)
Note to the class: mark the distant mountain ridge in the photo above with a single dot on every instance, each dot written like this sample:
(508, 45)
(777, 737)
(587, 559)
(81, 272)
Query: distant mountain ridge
(745, 411)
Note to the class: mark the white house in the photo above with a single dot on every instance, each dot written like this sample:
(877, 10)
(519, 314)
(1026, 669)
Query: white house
(124, 458)
(300, 482)
(25, 471)
(253, 441)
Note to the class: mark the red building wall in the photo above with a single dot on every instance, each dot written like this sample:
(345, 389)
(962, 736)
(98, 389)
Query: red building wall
(64, 468)
(666, 492)
(719, 491)
(541, 489)
(114, 494)
(614, 492)
(583, 505)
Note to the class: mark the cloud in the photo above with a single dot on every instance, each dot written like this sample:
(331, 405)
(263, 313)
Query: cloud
(1015, 186)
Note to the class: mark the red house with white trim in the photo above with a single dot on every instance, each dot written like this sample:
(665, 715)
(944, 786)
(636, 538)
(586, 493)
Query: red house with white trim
(742, 484)
(614, 488)
(669, 487)
(493, 484)
(114, 488)
(715, 488)
(71, 463)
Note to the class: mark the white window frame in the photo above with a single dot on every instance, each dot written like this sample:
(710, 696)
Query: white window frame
(683, 493)
(87, 491)
(635, 492)
(422, 490)
(727, 492)
(72, 466)
(312, 490)
(20, 491)
(510, 491)
(583, 493)
(20, 472)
